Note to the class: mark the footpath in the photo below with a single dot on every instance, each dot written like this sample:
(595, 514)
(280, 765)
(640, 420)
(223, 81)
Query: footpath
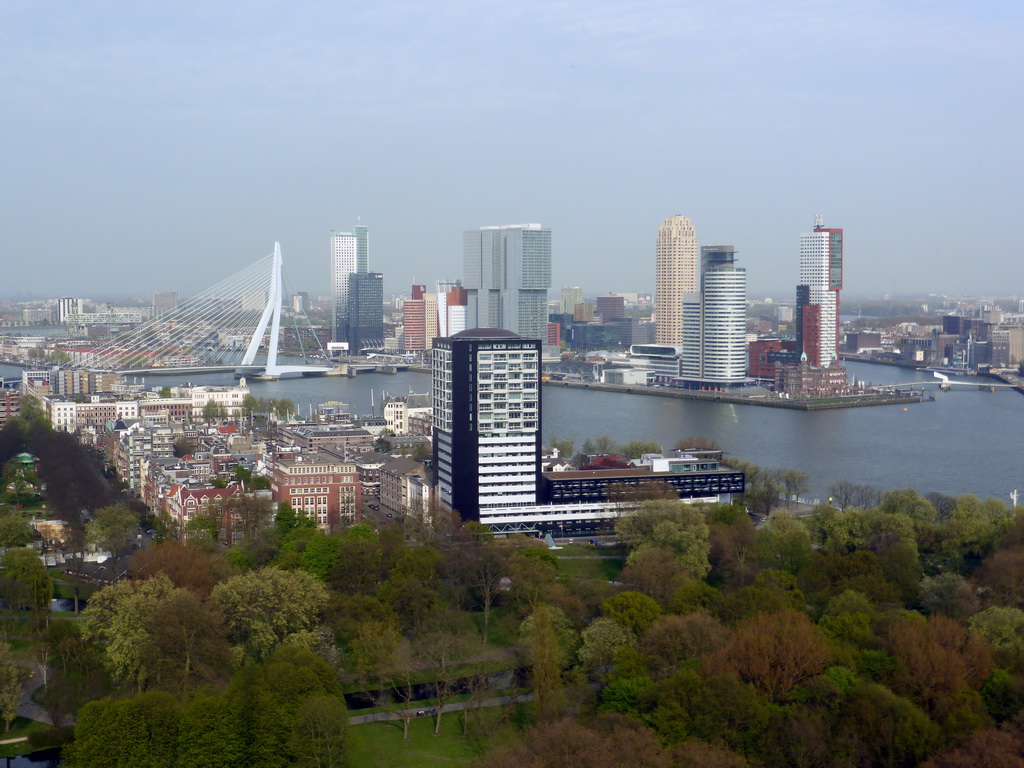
(458, 706)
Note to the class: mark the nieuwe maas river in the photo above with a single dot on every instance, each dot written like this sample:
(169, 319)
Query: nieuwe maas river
(967, 441)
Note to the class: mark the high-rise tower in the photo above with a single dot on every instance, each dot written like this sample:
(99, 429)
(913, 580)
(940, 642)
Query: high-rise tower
(676, 274)
(507, 273)
(714, 321)
(487, 431)
(344, 259)
(365, 312)
(817, 294)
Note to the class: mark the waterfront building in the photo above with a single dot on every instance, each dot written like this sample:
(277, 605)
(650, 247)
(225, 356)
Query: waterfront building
(661, 360)
(676, 274)
(486, 413)
(817, 294)
(344, 247)
(507, 273)
(365, 326)
(66, 308)
(806, 380)
(714, 322)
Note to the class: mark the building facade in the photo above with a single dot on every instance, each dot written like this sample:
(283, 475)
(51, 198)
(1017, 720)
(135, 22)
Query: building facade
(344, 247)
(365, 326)
(714, 321)
(486, 414)
(507, 271)
(676, 274)
(817, 296)
(322, 485)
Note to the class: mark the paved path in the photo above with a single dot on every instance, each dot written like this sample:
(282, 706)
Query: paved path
(428, 711)
(27, 707)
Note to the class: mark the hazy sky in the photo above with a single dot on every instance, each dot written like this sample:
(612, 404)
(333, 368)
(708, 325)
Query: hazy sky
(163, 145)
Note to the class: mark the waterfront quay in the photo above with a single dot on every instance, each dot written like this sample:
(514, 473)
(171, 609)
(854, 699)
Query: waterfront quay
(762, 400)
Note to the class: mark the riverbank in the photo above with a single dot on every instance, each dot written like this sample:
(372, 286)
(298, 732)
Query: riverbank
(764, 401)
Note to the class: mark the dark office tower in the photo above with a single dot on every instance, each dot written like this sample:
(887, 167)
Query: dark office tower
(365, 312)
(487, 436)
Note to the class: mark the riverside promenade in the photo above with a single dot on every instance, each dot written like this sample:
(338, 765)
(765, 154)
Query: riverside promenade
(762, 400)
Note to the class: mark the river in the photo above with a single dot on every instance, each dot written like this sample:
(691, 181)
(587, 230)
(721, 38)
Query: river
(966, 441)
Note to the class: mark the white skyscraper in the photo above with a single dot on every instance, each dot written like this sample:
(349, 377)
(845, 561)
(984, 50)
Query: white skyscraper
(507, 273)
(817, 294)
(344, 261)
(714, 321)
(676, 274)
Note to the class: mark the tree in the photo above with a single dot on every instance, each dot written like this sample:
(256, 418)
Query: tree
(187, 566)
(546, 668)
(600, 446)
(111, 529)
(382, 444)
(784, 543)
(12, 676)
(117, 620)
(1003, 627)
(250, 406)
(440, 644)
(267, 608)
(671, 641)
(601, 640)
(697, 443)
(841, 494)
(881, 728)
(208, 735)
(14, 530)
(938, 658)
(185, 644)
(183, 447)
(212, 411)
(486, 566)
(565, 448)
(634, 449)
(320, 734)
(24, 567)
(655, 572)
(678, 527)
(632, 610)
(794, 483)
(140, 731)
(283, 408)
(774, 652)
(734, 548)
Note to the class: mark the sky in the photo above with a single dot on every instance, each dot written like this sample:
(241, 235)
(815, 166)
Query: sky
(164, 145)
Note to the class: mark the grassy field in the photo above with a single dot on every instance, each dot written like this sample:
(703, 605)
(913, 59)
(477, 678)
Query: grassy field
(21, 726)
(380, 745)
(584, 561)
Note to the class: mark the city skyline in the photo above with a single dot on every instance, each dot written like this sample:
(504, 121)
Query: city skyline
(211, 125)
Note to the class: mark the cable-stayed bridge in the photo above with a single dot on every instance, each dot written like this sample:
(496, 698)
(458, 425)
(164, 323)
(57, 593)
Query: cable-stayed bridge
(235, 325)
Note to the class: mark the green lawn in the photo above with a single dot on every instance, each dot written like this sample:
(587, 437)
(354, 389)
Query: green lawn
(586, 562)
(21, 726)
(380, 745)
